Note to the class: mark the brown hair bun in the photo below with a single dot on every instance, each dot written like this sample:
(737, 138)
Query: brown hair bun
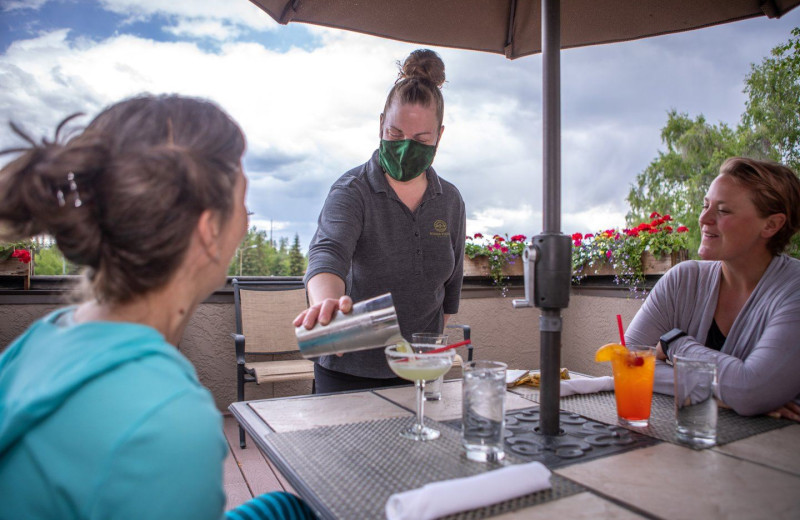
(423, 64)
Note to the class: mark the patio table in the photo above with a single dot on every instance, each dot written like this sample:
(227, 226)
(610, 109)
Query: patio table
(342, 453)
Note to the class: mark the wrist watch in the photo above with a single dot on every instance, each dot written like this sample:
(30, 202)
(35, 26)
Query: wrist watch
(668, 338)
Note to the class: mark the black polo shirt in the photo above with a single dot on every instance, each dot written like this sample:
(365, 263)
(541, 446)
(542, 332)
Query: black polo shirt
(372, 241)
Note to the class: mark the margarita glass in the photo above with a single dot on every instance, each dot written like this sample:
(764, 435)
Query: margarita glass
(414, 363)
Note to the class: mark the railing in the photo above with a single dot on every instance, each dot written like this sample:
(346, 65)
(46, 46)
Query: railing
(497, 332)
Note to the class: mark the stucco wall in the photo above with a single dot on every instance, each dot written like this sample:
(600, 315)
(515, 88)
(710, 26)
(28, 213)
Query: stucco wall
(498, 332)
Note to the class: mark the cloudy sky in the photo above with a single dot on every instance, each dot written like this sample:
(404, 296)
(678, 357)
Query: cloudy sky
(309, 99)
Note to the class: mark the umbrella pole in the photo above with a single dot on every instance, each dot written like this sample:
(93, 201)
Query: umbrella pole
(550, 320)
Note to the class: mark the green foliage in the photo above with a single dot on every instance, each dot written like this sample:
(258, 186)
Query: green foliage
(297, 262)
(771, 119)
(258, 256)
(50, 261)
(499, 251)
(676, 181)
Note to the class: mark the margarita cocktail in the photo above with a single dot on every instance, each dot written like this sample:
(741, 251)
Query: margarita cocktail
(415, 363)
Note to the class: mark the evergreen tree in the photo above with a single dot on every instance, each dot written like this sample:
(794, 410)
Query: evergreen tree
(297, 262)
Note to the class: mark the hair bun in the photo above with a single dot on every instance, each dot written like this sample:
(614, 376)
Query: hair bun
(424, 64)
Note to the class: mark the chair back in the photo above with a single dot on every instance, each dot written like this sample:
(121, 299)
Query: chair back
(265, 311)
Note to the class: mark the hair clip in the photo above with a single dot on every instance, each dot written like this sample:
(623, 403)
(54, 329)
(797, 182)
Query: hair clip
(73, 188)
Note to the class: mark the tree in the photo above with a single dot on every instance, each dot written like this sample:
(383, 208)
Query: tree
(771, 118)
(49, 261)
(297, 262)
(677, 180)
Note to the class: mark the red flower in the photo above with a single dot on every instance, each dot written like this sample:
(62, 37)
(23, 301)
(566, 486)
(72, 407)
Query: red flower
(652, 231)
(608, 254)
(498, 239)
(682, 229)
(633, 232)
(668, 229)
(504, 249)
(518, 238)
(666, 218)
(588, 236)
(478, 235)
(577, 243)
(655, 214)
(22, 255)
(577, 237)
(610, 232)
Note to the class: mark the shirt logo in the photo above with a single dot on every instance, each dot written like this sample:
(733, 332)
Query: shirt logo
(440, 229)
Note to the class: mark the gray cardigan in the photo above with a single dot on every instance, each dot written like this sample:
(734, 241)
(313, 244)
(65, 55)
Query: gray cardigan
(758, 367)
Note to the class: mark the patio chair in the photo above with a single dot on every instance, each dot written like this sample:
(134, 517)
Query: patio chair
(264, 314)
(465, 329)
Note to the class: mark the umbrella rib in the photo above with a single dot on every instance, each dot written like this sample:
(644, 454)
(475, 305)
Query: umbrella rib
(510, 32)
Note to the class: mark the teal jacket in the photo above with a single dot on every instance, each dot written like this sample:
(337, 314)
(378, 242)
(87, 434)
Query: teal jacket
(105, 420)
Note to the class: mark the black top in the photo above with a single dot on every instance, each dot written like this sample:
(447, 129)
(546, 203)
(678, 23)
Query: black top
(715, 338)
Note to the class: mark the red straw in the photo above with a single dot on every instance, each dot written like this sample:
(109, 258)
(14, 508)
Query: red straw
(621, 332)
(448, 347)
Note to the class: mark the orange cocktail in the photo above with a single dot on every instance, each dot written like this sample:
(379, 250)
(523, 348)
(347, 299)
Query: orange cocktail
(633, 381)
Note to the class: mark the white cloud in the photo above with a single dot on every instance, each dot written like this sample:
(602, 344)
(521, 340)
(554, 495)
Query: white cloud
(203, 29)
(15, 5)
(240, 12)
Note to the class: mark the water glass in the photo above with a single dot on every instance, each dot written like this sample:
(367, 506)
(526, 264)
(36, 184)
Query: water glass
(433, 388)
(483, 415)
(695, 406)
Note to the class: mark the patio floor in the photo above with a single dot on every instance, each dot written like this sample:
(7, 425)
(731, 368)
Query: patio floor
(247, 473)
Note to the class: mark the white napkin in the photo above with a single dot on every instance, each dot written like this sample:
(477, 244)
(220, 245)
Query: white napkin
(463, 494)
(586, 385)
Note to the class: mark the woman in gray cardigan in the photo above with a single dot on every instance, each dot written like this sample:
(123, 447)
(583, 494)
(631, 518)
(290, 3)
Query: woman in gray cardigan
(740, 305)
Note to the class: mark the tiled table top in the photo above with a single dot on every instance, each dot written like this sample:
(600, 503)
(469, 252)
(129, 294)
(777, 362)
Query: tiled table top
(284, 415)
(779, 449)
(449, 407)
(756, 477)
(670, 481)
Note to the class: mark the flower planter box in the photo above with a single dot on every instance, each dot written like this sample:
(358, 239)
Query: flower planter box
(650, 264)
(479, 266)
(13, 267)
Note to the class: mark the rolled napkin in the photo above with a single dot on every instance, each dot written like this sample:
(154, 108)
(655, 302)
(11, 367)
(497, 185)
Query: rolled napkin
(463, 494)
(587, 385)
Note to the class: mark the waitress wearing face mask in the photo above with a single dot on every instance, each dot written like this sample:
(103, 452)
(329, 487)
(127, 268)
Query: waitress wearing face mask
(390, 225)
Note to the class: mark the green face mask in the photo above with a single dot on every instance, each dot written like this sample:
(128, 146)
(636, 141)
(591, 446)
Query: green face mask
(405, 160)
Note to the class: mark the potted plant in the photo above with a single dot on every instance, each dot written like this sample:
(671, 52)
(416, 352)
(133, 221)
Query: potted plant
(631, 253)
(15, 260)
(497, 257)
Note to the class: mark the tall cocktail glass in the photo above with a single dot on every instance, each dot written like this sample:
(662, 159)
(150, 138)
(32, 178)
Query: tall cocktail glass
(634, 369)
(414, 363)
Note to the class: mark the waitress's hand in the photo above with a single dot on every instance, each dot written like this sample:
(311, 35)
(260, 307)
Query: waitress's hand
(323, 311)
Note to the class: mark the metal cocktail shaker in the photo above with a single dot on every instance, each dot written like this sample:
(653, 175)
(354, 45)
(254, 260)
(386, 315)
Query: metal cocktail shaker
(371, 324)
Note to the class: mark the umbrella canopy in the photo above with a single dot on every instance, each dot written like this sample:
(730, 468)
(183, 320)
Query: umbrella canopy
(513, 27)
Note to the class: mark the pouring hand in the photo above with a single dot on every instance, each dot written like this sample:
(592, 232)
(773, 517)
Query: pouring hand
(323, 312)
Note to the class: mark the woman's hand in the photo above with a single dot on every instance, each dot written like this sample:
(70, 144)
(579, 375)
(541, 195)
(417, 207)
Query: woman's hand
(323, 311)
(788, 411)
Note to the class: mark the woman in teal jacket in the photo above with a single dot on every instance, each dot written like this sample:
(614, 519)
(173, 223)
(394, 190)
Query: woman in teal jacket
(100, 415)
